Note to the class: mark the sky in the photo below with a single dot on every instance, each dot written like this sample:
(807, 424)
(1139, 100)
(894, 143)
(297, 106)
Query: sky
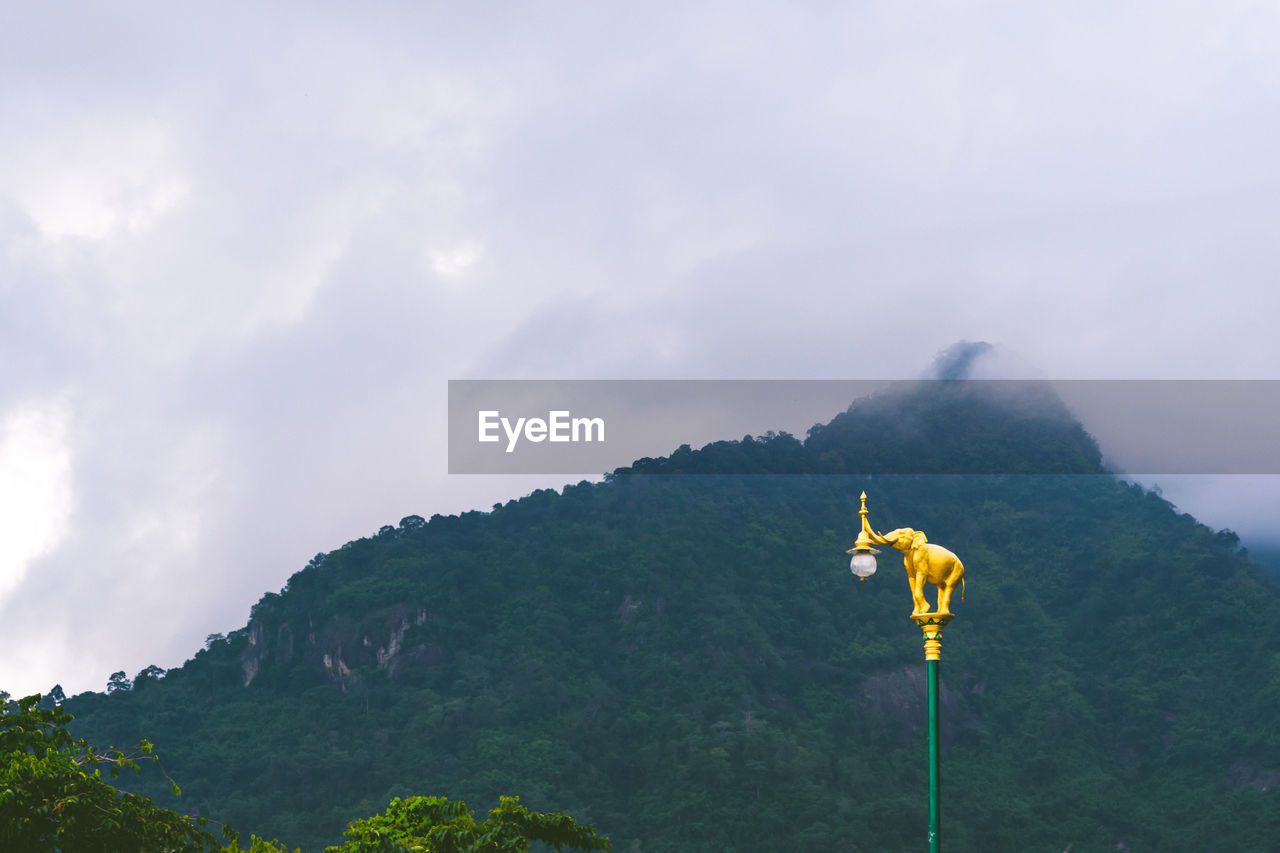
(244, 247)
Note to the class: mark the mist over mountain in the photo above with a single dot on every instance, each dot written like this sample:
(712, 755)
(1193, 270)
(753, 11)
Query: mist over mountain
(680, 656)
(957, 361)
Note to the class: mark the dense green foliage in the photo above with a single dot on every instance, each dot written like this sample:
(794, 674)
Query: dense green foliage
(686, 663)
(441, 826)
(52, 798)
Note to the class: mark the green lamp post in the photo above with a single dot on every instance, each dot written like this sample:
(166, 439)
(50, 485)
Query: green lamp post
(925, 563)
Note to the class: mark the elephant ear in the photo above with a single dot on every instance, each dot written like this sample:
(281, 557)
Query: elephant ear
(918, 538)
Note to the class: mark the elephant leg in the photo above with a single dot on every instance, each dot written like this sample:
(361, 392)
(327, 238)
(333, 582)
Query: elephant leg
(944, 596)
(917, 594)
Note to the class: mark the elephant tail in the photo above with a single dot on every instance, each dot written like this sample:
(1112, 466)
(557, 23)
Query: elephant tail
(962, 587)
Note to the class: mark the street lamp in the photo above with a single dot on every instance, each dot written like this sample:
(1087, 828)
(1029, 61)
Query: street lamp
(925, 563)
(863, 562)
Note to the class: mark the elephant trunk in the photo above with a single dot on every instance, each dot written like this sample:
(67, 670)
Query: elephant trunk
(875, 537)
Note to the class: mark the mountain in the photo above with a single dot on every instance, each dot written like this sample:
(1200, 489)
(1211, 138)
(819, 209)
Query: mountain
(679, 656)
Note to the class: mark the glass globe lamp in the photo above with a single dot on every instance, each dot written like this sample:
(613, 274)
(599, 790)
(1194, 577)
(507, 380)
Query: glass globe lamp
(863, 564)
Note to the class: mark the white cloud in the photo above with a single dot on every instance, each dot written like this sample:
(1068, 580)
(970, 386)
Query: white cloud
(454, 262)
(35, 486)
(93, 176)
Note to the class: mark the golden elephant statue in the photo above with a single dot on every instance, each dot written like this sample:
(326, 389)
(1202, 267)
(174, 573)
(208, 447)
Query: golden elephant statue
(925, 561)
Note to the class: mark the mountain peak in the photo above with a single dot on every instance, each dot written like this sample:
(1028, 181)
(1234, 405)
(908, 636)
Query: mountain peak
(979, 360)
(957, 360)
(930, 426)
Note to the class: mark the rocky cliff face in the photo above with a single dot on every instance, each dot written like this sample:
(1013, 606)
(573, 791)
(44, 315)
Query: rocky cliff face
(338, 645)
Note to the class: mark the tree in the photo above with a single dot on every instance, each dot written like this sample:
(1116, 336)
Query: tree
(118, 682)
(439, 825)
(152, 672)
(53, 797)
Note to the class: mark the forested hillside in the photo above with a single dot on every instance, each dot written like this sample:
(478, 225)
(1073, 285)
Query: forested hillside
(680, 657)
